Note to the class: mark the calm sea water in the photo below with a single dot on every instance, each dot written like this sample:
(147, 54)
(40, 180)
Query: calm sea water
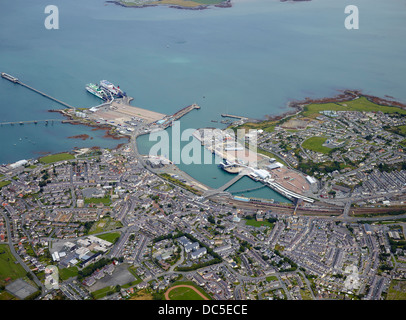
(251, 59)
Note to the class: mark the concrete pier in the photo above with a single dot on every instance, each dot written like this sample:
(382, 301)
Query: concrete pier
(17, 81)
(30, 121)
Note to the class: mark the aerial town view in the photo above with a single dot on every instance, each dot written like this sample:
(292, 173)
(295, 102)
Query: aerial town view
(202, 150)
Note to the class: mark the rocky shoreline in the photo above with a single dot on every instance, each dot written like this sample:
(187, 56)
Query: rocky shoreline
(224, 4)
(294, 0)
(110, 132)
(346, 95)
(81, 136)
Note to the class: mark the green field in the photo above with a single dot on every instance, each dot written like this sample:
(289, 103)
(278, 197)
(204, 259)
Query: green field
(66, 273)
(56, 157)
(255, 223)
(6, 296)
(313, 110)
(361, 104)
(4, 183)
(8, 267)
(316, 144)
(132, 269)
(400, 130)
(110, 237)
(271, 155)
(397, 290)
(105, 200)
(268, 126)
(98, 294)
(105, 224)
(179, 183)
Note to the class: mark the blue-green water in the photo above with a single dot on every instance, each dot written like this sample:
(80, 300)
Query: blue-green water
(251, 59)
(246, 183)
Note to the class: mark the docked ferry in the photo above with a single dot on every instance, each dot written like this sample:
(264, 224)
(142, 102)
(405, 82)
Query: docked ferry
(115, 90)
(95, 90)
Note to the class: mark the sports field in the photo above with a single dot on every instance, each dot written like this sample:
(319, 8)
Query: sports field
(185, 292)
(56, 157)
(316, 144)
(8, 267)
(255, 223)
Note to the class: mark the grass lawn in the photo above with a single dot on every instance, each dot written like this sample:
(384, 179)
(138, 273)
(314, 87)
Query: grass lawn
(271, 278)
(400, 130)
(4, 183)
(306, 295)
(316, 144)
(56, 157)
(135, 282)
(397, 290)
(66, 273)
(142, 295)
(105, 200)
(180, 183)
(255, 223)
(268, 126)
(98, 294)
(361, 104)
(8, 267)
(271, 155)
(105, 224)
(7, 296)
(110, 237)
(31, 167)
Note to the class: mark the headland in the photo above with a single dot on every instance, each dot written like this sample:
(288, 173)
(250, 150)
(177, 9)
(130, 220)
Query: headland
(177, 4)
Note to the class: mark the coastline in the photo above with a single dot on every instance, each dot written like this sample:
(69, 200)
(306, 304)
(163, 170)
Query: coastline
(346, 95)
(296, 108)
(224, 4)
(110, 132)
(81, 136)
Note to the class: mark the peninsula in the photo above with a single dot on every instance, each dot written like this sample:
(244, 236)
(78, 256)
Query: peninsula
(178, 4)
